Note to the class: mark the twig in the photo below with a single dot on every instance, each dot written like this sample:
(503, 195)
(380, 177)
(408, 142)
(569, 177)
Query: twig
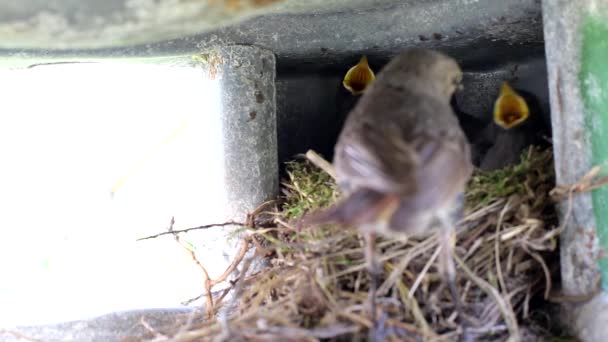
(487, 330)
(57, 63)
(235, 263)
(224, 319)
(585, 184)
(560, 299)
(298, 334)
(410, 255)
(501, 279)
(210, 283)
(600, 182)
(207, 226)
(546, 271)
(220, 293)
(150, 329)
(321, 163)
(422, 273)
(405, 295)
(207, 279)
(503, 306)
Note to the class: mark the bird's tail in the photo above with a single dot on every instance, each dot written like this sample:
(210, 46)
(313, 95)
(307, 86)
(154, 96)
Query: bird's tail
(360, 207)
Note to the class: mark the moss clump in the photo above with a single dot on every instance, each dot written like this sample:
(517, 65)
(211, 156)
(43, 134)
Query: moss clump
(306, 188)
(535, 168)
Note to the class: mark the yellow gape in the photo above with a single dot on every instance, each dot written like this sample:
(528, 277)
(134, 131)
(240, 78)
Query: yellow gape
(358, 77)
(510, 109)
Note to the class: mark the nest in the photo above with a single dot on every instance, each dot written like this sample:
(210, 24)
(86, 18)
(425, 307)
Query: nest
(316, 287)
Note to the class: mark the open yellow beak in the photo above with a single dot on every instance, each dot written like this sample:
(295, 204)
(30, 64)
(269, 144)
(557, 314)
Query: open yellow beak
(510, 109)
(358, 77)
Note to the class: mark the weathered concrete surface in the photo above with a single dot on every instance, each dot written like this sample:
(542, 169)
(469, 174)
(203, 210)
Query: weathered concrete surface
(302, 34)
(248, 145)
(120, 326)
(89, 24)
(249, 124)
(579, 250)
(590, 320)
(574, 154)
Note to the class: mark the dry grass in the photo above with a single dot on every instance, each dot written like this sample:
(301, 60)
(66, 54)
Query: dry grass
(316, 287)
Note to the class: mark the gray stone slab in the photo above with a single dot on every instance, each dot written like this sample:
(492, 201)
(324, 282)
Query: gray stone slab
(570, 143)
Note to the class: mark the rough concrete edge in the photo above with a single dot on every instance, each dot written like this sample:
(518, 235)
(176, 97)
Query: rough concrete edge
(572, 156)
(457, 23)
(589, 321)
(118, 325)
(580, 273)
(250, 72)
(165, 19)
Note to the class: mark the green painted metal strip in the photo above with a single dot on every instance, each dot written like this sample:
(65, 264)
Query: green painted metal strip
(594, 87)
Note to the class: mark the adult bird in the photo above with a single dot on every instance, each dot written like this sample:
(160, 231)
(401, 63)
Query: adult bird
(402, 160)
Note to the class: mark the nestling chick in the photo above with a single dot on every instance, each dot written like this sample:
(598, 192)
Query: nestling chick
(402, 159)
(510, 109)
(353, 84)
(359, 77)
(518, 123)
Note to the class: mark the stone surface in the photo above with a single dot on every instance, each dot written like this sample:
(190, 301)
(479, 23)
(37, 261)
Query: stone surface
(313, 34)
(89, 24)
(120, 326)
(579, 251)
(247, 80)
(589, 320)
(573, 146)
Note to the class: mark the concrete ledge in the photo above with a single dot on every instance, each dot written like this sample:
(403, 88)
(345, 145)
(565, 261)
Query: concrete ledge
(591, 319)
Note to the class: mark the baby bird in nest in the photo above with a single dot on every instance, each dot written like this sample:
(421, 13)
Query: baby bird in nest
(518, 123)
(359, 77)
(402, 160)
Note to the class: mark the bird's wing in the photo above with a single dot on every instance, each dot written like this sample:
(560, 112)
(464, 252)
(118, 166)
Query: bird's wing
(445, 166)
(375, 158)
(426, 157)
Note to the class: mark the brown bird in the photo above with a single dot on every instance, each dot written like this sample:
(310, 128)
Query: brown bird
(402, 160)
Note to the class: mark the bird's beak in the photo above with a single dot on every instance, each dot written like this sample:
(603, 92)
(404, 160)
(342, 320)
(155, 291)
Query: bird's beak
(510, 109)
(358, 77)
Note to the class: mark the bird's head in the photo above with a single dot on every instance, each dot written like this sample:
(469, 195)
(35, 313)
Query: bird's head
(426, 69)
(358, 77)
(510, 108)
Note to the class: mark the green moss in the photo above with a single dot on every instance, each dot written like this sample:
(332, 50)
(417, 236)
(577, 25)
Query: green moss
(535, 167)
(306, 188)
(593, 82)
